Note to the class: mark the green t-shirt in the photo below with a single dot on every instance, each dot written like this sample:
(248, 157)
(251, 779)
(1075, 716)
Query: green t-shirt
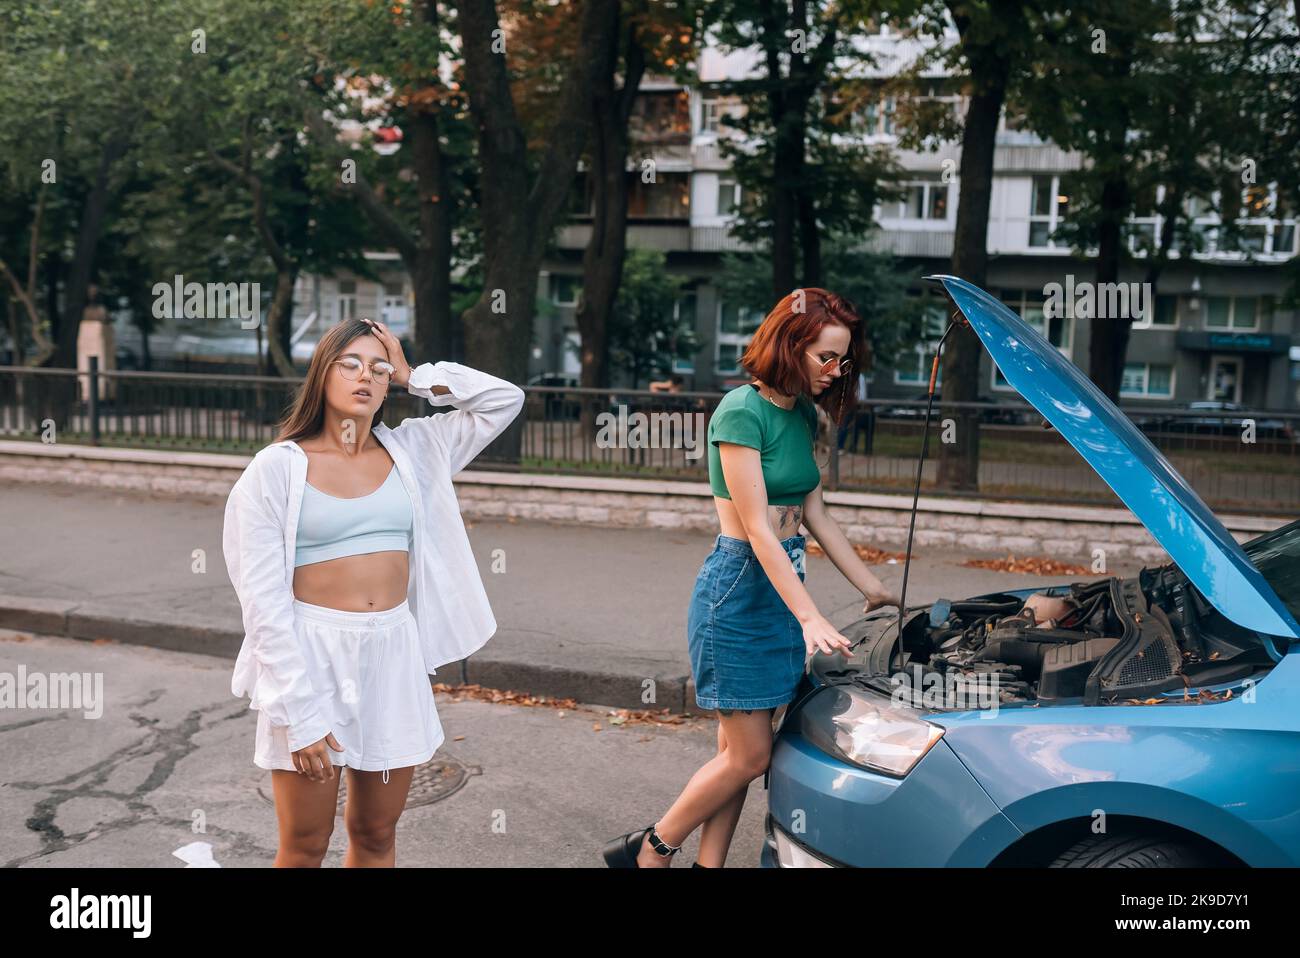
(783, 437)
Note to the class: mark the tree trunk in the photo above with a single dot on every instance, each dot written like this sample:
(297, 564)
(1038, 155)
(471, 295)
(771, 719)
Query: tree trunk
(811, 241)
(959, 460)
(435, 329)
(784, 211)
(519, 211)
(602, 260)
(429, 263)
(14, 318)
(277, 321)
(1109, 340)
(83, 260)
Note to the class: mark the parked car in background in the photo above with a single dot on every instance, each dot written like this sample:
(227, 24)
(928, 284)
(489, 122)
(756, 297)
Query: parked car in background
(557, 405)
(1213, 418)
(1151, 721)
(996, 413)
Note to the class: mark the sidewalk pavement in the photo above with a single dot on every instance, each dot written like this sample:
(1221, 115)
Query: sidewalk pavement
(582, 612)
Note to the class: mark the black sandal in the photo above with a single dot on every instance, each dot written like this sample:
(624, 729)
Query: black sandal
(621, 852)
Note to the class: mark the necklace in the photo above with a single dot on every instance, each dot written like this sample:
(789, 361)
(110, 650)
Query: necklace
(773, 401)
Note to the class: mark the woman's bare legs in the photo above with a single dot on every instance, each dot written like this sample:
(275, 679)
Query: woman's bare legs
(305, 812)
(715, 835)
(715, 786)
(371, 815)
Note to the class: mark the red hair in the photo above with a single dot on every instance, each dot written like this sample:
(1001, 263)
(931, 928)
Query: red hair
(776, 353)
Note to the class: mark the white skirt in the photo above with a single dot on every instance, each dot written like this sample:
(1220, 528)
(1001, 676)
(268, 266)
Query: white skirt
(367, 670)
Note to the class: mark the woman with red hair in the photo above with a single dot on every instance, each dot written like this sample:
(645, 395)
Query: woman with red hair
(751, 622)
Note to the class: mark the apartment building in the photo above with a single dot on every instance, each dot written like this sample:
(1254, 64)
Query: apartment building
(1213, 330)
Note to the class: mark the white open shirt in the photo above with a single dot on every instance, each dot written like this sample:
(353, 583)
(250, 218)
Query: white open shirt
(444, 589)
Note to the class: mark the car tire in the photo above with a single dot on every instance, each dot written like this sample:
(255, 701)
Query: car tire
(1131, 850)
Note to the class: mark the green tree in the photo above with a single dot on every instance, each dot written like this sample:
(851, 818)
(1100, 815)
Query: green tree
(875, 282)
(801, 177)
(522, 187)
(81, 86)
(644, 333)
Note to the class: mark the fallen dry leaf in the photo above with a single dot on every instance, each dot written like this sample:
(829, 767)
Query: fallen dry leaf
(868, 555)
(478, 693)
(1029, 565)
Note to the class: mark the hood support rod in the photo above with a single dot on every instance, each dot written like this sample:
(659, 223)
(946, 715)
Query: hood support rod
(957, 320)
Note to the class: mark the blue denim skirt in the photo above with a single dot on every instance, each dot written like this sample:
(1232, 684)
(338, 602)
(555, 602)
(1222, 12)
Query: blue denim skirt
(746, 646)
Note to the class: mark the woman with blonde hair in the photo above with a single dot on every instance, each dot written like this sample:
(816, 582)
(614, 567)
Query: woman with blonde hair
(345, 544)
(751, 623)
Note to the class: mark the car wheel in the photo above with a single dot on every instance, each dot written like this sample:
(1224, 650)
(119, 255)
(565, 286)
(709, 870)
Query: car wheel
(1131, 851)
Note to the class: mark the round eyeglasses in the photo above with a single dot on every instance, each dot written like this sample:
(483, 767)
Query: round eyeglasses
(350, 368)
(844, 365)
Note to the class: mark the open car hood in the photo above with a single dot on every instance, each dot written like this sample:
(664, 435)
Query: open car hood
(1138, 473)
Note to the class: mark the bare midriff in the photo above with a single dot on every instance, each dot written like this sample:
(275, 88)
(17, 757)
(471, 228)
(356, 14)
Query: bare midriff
(373, 581)
(784, 520)
(369, 581)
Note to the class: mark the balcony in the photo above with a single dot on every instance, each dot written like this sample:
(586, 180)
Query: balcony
(664, 236)
(930, 244)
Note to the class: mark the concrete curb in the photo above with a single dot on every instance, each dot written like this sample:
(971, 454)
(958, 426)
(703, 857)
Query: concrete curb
(77, 620)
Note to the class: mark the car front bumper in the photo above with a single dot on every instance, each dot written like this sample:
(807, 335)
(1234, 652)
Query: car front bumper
(824, 812)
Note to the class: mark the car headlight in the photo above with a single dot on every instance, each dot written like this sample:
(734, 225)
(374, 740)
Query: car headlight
(867, 729)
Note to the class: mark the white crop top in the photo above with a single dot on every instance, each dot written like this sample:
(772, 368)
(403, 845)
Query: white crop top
(330, 527)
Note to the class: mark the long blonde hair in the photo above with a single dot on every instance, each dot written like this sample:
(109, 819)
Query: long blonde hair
(306, 417)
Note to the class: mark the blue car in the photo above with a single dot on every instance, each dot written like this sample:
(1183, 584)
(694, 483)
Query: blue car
(1151, 721)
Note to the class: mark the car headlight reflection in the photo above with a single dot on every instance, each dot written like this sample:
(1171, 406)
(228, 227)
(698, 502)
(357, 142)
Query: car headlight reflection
(866, 729)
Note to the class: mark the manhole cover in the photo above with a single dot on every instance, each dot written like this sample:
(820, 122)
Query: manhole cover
(433, 781)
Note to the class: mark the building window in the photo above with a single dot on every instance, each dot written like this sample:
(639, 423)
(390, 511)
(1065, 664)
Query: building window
(1164, 315)
(1028, 305)
(914, 368)
(1147, 380)
(943, 94)
(736, 324)
(888, 115)
(684, 319)
(1260, 222)
(346, 303)
(393, 311)
(728, 196)
(660, 116)
(925, 199)
(1144, 221)
(668, 197)
(1048, 205)
(1225, 379)
(876, 116)
(565, 289)
(1014, 118)
(716, 111)
(1231, 312)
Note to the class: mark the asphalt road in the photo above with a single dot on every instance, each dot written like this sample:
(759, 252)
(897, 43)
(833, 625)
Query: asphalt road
(168, 764)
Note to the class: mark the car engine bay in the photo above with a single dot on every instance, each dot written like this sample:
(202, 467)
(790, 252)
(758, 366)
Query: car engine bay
(1110, 641)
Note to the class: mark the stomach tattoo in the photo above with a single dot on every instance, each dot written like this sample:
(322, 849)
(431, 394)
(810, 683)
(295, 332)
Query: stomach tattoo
(787, 518)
